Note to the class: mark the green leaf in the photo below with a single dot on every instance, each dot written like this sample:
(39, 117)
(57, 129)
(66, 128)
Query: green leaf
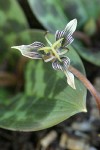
(47, 99)
(12, 21)
(92, 8)
(92, 56)
(46, 12)
(64, 10)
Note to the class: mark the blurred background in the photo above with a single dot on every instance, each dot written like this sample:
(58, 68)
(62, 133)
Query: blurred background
(18, 18)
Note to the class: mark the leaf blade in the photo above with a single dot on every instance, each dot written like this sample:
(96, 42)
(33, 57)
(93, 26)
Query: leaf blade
(47, 99)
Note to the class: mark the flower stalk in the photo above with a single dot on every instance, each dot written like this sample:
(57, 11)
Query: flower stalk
(86, 83)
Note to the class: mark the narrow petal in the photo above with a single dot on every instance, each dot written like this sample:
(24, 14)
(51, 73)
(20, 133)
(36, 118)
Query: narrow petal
(57, 44)
(45, 49)
(62, 52)
(70, 79)
(55, 54)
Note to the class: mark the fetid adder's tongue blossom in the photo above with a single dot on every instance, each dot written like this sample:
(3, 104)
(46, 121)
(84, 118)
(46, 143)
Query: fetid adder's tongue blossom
(54, 52)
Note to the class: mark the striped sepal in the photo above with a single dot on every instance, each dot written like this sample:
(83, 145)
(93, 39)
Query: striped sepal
(59, 34)
(61, 65)
(67, 33)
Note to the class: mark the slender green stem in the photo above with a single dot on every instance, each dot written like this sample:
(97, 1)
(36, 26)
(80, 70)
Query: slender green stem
(87, 84)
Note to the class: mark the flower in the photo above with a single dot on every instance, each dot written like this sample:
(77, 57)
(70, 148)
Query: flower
(54, 52)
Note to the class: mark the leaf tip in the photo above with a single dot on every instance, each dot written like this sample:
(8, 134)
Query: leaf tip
(84, 110)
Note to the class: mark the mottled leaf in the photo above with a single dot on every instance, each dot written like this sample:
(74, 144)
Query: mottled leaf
(90, 54)
(64, 10)
(47, 99)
